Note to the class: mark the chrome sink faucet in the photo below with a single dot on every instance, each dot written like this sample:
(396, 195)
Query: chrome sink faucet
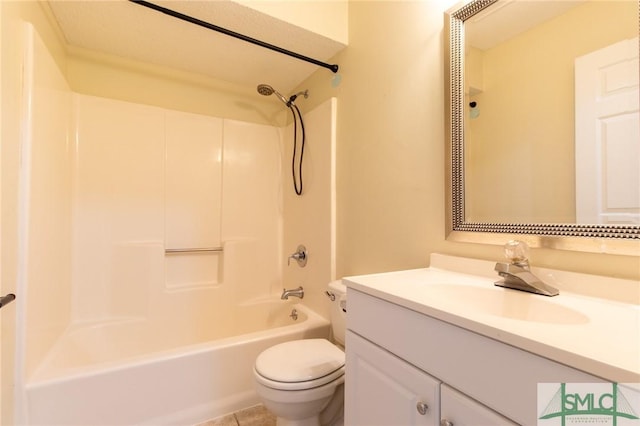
(296, 292)
(517, 275)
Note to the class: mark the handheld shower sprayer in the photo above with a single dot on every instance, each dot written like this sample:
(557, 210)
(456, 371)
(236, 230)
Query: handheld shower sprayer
(266, 90)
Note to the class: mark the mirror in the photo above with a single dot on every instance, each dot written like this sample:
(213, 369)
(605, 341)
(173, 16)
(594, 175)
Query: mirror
(528, 152)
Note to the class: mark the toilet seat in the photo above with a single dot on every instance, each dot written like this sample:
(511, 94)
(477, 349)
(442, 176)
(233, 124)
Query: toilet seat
(300, 364)
(300, 386)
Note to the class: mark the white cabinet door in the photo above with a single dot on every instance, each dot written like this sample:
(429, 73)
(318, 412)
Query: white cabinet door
(458, 409)
(382, 389)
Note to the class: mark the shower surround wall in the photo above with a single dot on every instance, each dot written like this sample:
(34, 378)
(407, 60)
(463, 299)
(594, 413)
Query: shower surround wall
(44, 208)
(147, 179)
(310, 218)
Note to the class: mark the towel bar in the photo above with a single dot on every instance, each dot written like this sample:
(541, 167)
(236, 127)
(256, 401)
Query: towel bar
(193, 250)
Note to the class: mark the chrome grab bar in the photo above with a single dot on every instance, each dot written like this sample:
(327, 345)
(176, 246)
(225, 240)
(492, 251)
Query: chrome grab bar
(7, 299)
(194, 250)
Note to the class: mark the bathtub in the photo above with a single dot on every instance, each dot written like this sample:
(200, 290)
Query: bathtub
(127, 372)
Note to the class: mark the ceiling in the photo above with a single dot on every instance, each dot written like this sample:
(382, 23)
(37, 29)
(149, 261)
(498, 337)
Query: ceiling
(129, 30)
(508, 18)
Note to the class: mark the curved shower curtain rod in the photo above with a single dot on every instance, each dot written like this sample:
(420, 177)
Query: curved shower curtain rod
(187, 18)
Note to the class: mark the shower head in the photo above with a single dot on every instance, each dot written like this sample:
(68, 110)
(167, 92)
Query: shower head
(266, 90)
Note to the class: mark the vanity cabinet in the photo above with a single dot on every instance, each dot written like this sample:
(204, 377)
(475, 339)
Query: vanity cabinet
(398, 358)
(382, 389)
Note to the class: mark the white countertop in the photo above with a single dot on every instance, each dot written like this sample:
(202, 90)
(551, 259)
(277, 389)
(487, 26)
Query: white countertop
(595, 335)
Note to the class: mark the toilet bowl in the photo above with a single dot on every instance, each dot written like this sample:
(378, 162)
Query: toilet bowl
(301, 381)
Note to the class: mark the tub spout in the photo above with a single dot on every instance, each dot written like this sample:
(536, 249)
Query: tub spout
(296, 292)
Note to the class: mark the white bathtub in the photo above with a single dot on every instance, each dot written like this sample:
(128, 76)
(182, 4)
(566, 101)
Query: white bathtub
(127, 373)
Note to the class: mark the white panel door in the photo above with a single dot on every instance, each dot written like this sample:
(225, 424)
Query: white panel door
(608, 135)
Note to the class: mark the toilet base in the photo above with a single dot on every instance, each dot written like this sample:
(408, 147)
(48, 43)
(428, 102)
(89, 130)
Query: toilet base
(331, 415)
(321, 406)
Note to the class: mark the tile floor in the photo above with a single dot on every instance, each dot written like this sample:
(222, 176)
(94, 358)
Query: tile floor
(253, 416)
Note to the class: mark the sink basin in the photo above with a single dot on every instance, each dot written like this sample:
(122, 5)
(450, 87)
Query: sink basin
(507, 303)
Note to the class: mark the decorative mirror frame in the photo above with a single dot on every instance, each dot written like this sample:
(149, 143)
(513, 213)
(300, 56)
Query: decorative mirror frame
(614, 239)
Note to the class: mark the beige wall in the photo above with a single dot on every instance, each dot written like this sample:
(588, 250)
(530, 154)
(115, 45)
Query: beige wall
(390, 143)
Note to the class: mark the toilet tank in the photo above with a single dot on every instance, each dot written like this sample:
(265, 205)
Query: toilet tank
(338, 310)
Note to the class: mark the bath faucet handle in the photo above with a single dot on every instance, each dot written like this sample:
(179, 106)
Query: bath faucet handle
(300, 256)
(517, 252)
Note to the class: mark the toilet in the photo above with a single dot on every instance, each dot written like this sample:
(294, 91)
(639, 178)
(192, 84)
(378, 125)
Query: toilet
(302, 381)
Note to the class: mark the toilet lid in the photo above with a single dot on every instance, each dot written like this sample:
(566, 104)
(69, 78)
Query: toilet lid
(300, 361)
